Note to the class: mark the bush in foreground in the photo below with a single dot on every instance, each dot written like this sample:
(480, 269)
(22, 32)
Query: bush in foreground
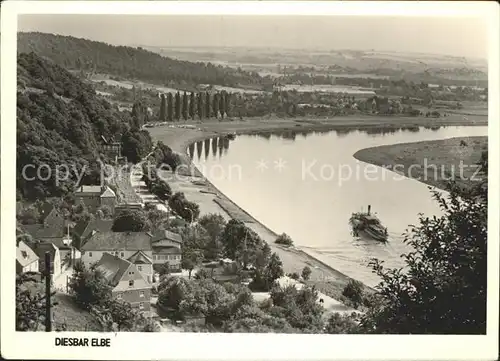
(306, 273)
(443, 285)
(353, 291)
(189, 211)
(284, 239)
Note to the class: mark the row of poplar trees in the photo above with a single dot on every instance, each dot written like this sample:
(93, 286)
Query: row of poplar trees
(201, 105)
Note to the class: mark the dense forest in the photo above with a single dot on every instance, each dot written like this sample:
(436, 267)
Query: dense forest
(60, 121)
(132, 63)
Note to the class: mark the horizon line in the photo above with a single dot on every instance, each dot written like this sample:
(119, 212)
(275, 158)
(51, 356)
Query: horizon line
(135, 45)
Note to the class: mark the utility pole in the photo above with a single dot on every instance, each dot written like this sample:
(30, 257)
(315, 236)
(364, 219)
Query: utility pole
(48, 304)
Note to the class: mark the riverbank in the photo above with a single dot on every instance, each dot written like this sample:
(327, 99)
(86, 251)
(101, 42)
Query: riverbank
(180, 138)
(431, 162)
(211, 200)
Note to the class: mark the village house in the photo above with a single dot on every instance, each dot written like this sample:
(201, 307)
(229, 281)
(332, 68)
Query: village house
(134, 246)
(167, 247)
(68, 251)
(110, 148)
(143, 263)
(40, 248)
(96, 196)
(86, 227)
(50, 216)
(54, 229)
(26, 259)
(128, 284)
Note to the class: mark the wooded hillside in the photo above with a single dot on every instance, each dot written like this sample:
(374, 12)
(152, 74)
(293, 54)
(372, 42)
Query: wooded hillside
(59, 122)
(131, 63)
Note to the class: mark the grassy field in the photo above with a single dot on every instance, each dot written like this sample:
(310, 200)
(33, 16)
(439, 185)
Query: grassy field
(431, 162)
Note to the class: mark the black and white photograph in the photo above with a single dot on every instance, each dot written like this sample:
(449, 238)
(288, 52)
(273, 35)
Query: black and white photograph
(180, 173)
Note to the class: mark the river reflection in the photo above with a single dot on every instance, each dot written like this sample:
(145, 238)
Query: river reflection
(220, 145)
(311, 196)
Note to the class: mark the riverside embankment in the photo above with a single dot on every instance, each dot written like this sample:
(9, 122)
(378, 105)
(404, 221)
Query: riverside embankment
(211, 200)
(431, 162)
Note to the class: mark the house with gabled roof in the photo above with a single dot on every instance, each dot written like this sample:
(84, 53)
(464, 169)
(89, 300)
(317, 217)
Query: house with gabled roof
(55, 230)
(95, 196)
(134, 246)
(40, 248)
(167, 247)
(143, 263)
(87, 227)
(26, 259)
(49, 215)
(110, 147)
(128, 284)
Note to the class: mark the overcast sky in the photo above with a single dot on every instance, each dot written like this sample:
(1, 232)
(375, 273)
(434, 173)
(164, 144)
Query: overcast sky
(451, 36)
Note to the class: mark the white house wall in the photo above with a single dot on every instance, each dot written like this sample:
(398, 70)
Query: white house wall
(90, 257)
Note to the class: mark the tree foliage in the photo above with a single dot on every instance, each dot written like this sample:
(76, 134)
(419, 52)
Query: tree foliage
(354, 292)
(192, 105)
(284, 239)
(214, 224)
(208, 105)
(442, 289)
(306, 273)
(30, 303)
(156, 185)
(187, 210)
(185, 106)
(342, 324)
(200, 105)
(204, 297)
(172, 291)
(62, 127)
(165, 157)
(130, 221)
(177, 109)
(128, 62)
(240, 243)
(265, 275)
(136, 144)
(163, 108)
(215, 105)
(299, 307)
(170, 107)
(88, 286)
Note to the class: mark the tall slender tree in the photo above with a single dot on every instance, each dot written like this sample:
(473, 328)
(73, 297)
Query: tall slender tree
(207, 105)
(200, 105)
(215, 105)
(222, 104)
(163, 106)
(177, 106)
(227, 105)
(139, 114)
(185, 106)
(170, 107)
(192, 106)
